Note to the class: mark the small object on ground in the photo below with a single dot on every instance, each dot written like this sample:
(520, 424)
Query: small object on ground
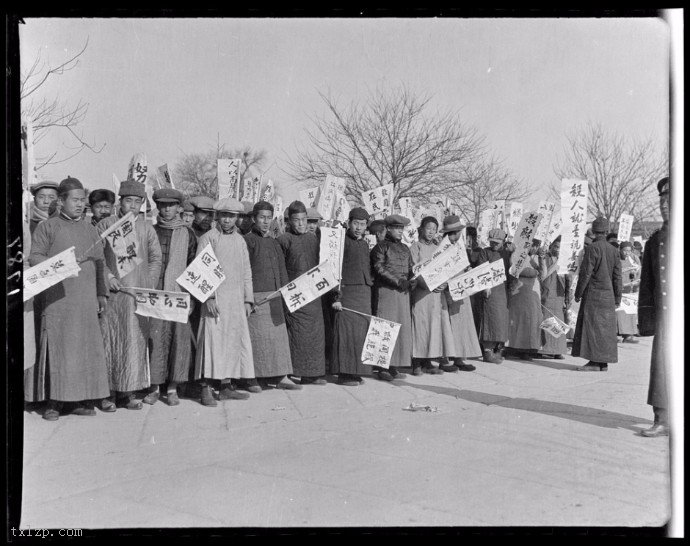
(277, 408)
(420, 407)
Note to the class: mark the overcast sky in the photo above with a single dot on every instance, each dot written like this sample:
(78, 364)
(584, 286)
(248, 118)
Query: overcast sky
(168, 86)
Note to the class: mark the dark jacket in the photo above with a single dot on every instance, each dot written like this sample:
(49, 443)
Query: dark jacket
(391, 262)
(267, 261)
(356, 263)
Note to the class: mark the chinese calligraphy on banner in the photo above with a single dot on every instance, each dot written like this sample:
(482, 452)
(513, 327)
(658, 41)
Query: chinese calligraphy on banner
(203, 276)
(483, 227)
(513, 214)
(332, 247)
(161, 304)
(228, 178)
(629, 304)
(50, 272)
(309, 286)
(554, 229)
(574, 195)
(342, 208)
(248, 191)
(448, 264)
(554, 326)
(380, 342)
(138, 168)
(486, 275)
(122, 238)
(546, 209)
(309, 197)
(625, 224)
(328, 195)
(445, 243)
(527, 227)
(164, 178)
(379, 201)
(269, 192)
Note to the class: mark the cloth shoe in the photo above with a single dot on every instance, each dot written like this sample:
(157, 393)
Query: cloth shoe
(593, 367)
(313, 381)
(152, 397)
(172, 399)
(107, 405)
(52, 411)
(417, 370)
(658, 429)
(207, 398)
(229, 393)
(630, 339)
(129, 402)
(288, 385)
(396, 374)
(81, 409)
(384, 375)
(450, 368)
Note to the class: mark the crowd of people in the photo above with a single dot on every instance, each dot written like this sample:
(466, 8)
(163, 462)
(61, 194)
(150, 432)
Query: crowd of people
(92, 350)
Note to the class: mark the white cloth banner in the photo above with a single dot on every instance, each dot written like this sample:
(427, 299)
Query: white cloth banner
(165, 178)
(574, 195)
(410, 234)
(228, 178)
(379, 201)
(138, 168)
(371, 241)
(309, 286)
(122, 238)
(248, 191)
(256, 196)
(277, 203)
(331, 249)
(405, 205)
(445, 244)
(448, 264)
(554, 326)
(546, 209)
(342, 208)
(486, 275)
(328, 195)
(116, 184)
(309, 197)
(268, 192)
(203, 276)
(380, 342)
(50, 272)
(527, 227)
(629, 303)
(625, 224)
(513, 214)
(161, 304)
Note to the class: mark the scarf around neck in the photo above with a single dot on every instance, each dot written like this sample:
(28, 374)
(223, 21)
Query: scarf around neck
(37, 214)
(175, 223)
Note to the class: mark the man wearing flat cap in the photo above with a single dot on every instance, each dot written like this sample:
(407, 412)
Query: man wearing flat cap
(314, 222)
(203, 214)
(653, 312)
(187, 213)
(171, 343)
(224, 349)
(392, 264)
(599, 288)
(71, 366)
(125, 333)
(305, 325)
(354, 292)
(244, 220)
(378, 229)
(45, 193)
(102, 203)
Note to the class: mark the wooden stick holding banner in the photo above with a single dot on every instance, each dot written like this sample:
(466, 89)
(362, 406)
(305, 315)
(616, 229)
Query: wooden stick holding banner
(271, 296)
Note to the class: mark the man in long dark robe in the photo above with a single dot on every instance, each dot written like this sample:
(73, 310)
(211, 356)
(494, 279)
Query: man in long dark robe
(267, 329)
(473, 254)
(652, 313)
(71, 362)
(600, 288)
(203, 219)
(305, 325)
(350, 329)
(171, 343)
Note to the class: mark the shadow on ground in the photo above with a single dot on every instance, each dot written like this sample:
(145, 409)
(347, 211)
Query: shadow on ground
(582, 414)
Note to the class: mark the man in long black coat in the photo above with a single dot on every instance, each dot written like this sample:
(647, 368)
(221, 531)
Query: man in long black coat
(651, 313)
(600, 287)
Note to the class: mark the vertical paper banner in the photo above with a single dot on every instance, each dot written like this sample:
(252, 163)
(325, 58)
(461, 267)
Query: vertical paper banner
(524, 234)
(625, 224)
(122, 239)
(379, 201)
(342, 208)
(485, 225)
(248, 189)
(380, 342)
(138, 168)
(278, 207)
(116, 184)
(256, 194)
(554, 229)
(513, 215)
(331, 249)
(268, 192)
(164, 177)
(497, 214)
(405, 205)
(309, 197)
(546, 209)
(574, 195)
(228, 178)
(330, 188)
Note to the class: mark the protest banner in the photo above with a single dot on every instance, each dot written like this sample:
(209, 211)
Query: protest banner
(325, 203)
(528, 226)
(554, 229)
(268, 192)
(248, 190)
(574, 194)
(546, 209)
(122, 239)
(256, 195)
(513, 215)
(625, 224)
(496, 217)
(277, 203)
(405, 205)
(332, 247)
(342, 208)
(554, 326)
(309, 286)
(164, 177)
(410, 234)
(486, 275)
(228, 178)
(629, 303)
(203, 276)
(449, 263)
(380, 342)
(379, 201)
(309, 197)
(371, 241)
(138, 168)
(50, 272)
(161, 304)
(442, 247)
(116, 184)
(483, 227)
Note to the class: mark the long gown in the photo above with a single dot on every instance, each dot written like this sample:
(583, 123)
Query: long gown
(524, 311)
(553, 290)
(495, 319)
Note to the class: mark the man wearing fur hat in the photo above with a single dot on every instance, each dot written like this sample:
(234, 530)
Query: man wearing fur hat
(102, 203)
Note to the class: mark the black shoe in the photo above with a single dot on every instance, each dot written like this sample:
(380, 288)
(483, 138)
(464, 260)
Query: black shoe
(450, 368)
(417, 370)
(630, 339)
(80, 409)
(593, 367)
(228, 393)
(313, 381)
(207, 398)
(659, 429)
(558, 357)
(466, 367)
(432, 370)
(385, 375)
(526, 356)
(348, 382)
(52, 411)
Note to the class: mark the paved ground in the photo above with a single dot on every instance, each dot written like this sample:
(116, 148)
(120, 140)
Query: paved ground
(521, 443)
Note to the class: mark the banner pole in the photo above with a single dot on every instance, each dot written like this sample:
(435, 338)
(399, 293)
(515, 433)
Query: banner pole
(267, 298)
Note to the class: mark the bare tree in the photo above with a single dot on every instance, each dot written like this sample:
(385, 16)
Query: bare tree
(198, 173)
(486, 179)
(47, 114)
(622, 173)
(391, 138)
